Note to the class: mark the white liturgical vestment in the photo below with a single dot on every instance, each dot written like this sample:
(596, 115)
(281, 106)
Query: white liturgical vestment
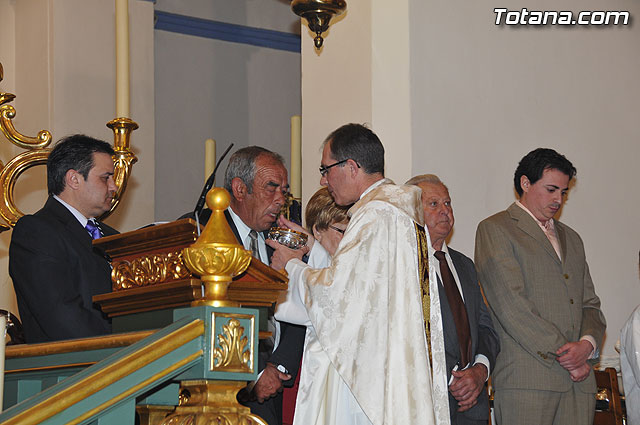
(366, 358)
(630, 365)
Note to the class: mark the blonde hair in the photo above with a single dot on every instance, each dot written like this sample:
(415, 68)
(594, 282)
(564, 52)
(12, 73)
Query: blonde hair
(322, 211)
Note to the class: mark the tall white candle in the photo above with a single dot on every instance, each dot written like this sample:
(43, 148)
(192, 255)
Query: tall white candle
(122, 58)
(295, 181)
(209, 157)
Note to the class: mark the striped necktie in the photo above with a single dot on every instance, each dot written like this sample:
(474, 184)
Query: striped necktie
(255, 251)
(93, 229)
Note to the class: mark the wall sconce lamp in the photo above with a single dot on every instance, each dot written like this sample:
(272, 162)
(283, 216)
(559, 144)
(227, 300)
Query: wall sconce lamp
(318, 13)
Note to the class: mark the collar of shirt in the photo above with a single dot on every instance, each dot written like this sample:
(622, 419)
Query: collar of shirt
(549, 230)
(548, 226)
(436, 263)
(243, 232)
(77, 214)
(373, 186)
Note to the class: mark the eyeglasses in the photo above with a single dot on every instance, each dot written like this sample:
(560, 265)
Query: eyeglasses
(325, 169)
(337, 229)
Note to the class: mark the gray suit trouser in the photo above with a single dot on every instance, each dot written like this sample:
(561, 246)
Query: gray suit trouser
(534, 407)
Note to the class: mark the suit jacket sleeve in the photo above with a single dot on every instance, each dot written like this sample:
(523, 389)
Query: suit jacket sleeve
(488, 342)
(289, 350)
(593, 321)
(504, 286)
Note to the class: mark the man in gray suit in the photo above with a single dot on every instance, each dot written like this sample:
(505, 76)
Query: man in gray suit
(468, 368)
(547, 314)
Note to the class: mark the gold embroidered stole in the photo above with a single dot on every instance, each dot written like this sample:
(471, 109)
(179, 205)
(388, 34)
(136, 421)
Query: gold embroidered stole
(423, 264)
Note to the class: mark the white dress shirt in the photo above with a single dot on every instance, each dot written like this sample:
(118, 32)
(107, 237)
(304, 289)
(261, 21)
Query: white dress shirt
(243, 232)
(77, 214)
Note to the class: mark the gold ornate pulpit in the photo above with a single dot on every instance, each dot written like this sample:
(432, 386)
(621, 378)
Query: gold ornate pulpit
(150, 273)
(186, 364)
(168, 268)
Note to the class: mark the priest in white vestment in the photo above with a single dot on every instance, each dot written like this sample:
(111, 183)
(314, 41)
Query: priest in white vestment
(366, 358)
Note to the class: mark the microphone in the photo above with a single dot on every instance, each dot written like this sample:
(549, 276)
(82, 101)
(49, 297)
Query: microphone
(207, 186)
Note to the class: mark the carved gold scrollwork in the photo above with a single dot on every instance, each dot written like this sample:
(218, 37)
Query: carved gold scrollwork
(37, 155)
(214, 419)
(212, 403)
(218, 260)
(149, 270)
(8, 177)
(231, 355)
(7, 113)
(14, 168)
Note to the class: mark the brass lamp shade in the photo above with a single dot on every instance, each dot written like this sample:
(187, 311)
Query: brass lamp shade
(318, 14)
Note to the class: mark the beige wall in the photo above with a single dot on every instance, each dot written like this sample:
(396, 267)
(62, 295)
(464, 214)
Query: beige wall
(59, 62)
(485, 95)
(360, 75)
(480, 97)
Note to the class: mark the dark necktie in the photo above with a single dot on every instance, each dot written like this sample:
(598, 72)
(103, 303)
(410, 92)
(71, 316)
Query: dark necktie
(255, 251)
(93, 229)
(457, 308)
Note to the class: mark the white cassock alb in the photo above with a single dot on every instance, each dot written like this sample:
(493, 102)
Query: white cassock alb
(366, 358)
(630, 365)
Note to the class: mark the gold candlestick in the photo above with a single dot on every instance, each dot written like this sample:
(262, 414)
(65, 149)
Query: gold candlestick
(123, 158)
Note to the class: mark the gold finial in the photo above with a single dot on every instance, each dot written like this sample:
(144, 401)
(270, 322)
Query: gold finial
(216, 256)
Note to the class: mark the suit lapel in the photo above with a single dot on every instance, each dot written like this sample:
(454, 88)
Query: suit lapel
(69, 220)
(527, 224)
(270, 250)
(562, 239)
(468, 293)
(449, 327)
(233, 226)
(237, 235)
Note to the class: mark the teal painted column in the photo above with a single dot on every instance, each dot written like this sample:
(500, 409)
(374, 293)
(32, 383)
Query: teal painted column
(230, 343)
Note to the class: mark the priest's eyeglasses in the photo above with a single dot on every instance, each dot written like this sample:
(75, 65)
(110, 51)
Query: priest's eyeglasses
(325, 169)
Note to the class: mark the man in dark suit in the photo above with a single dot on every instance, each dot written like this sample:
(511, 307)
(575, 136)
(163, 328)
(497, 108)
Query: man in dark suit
(257, 180)
(535, 275)
(470, 341)
(54, 268)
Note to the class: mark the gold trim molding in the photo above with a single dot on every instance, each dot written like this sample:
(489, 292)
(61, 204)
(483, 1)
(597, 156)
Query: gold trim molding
(117, 370)
(83, 344)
